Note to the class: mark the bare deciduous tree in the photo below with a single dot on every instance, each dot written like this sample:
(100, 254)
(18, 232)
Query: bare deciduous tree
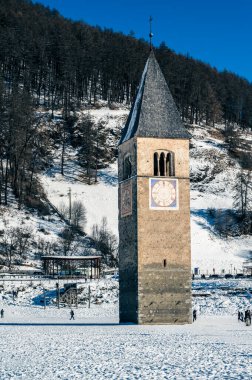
(15, 243)
(106, 242)
(243, 190)
(79, 214)
(69, 241)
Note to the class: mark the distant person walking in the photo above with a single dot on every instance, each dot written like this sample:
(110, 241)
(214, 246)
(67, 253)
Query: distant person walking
(2, 313)
(71, 315)
(194, 315)
(248, 317)
(241, 316)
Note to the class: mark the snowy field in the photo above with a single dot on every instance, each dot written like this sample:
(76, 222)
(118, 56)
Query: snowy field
(100, 348)
(43, 344)
(222, 297)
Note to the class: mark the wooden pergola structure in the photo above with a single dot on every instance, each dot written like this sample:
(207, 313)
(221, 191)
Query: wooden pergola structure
(68, 266)
(247, 267)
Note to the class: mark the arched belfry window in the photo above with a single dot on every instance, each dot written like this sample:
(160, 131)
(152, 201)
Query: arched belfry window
(127, 167)
(170, 169)
(164, 164)
(156, 165)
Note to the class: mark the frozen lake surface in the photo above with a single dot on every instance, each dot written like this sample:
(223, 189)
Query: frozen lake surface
(45, 344)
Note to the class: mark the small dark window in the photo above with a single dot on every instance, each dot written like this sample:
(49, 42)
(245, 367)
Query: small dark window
(156, 164)
(164, 263)
(172, 165)
(170, 170)
(168, 158)
(162, 164)
(127, 168)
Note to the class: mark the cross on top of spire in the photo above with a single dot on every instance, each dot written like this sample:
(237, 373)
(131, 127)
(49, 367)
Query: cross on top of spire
(151, 34)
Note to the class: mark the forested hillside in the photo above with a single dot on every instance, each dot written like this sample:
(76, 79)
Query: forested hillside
(63, 63)
(53, 69)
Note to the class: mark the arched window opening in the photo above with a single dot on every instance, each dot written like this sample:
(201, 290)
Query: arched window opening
(168, 161)
(170, 169)
(127, 168)
(162, 164)
(172, 165)
(156, 164)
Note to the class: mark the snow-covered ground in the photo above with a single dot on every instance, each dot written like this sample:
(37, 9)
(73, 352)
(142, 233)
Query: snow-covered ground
(210, 297)
(44, 344)
(99, 348)
(222, 296)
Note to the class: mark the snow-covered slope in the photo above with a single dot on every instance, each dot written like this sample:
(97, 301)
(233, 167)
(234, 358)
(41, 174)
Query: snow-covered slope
(210, 162)
(99, 199)
(213, 175)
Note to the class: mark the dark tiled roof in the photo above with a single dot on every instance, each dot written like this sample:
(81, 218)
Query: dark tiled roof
(154, 112)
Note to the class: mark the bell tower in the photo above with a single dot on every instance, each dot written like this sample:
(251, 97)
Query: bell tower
(154, 208)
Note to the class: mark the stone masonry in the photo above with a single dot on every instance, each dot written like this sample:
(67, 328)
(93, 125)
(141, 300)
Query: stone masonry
(154, 242)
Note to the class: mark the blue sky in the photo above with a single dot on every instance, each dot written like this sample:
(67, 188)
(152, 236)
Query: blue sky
(218, 32)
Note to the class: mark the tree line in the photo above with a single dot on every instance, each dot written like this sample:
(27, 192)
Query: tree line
(28, 139)
(23, 145)
(63, 63)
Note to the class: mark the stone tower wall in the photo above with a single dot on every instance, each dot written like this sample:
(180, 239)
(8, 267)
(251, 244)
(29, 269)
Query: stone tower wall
(149, 291)
(164, 292)
(128, 273)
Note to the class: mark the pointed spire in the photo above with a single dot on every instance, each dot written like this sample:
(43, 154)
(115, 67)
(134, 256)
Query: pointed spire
(154, 112)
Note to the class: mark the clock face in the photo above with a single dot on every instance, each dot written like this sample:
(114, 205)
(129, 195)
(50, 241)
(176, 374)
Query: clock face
(163, 194)
(126, 198)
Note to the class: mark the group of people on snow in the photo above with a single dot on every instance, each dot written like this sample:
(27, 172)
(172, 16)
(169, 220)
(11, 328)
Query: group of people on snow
(246, 317)
(71, 313)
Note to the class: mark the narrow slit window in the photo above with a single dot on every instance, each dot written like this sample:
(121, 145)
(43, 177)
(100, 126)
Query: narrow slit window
(170, 169)
(162, 164)
(168, 160)
(172, 165)
(164, 263)
(127, 168)
(155, 164)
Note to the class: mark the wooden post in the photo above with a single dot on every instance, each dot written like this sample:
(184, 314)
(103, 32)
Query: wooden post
(58, 292)
(44, 298)
(89, 296)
